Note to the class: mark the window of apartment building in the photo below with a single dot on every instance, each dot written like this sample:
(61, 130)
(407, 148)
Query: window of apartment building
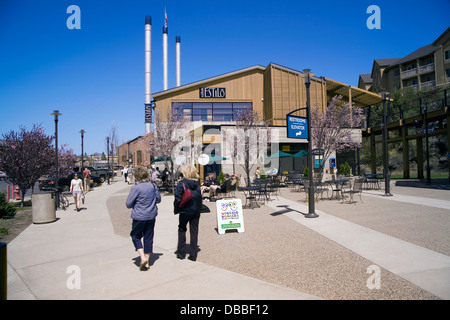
(447, 73)
(447, 54)
(210, 111)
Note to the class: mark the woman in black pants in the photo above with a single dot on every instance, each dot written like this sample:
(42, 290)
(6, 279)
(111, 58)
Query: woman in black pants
(143, 198)
(190, 213)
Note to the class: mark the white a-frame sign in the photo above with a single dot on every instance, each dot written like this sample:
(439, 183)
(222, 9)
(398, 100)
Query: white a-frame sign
(229, 215)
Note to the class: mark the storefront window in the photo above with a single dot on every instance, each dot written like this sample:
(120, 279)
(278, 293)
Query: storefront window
(202, 111)
(207, 111)
(223, 111)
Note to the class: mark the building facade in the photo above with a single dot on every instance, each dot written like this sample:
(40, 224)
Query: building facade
(426, 67)
(212, 105)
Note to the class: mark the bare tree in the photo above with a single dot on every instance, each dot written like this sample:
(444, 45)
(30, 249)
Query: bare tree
(332, 130)
(248, 143)
(168, 138)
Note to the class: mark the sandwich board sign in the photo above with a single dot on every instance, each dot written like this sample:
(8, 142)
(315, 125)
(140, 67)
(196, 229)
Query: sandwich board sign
(229, 215)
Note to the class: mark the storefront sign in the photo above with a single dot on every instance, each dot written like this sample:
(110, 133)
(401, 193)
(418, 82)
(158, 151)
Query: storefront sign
(229, 215)
(212, 93)
(297, 127)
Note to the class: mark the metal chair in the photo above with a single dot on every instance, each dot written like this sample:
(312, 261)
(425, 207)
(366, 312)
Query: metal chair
(356, 188)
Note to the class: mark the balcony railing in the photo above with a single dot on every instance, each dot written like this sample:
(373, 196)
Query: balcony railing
(409, 73)
(427, 68)
(431, 83)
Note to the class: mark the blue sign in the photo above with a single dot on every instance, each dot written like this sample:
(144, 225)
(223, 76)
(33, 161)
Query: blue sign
(297, 127)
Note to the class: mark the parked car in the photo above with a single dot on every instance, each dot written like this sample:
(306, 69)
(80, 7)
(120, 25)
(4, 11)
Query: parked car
(64, 183)
(104, 173)
(101, 173)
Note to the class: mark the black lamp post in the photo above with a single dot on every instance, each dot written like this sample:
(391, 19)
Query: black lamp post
(426, 142)
(107, 151)
(82, 151)
(311, 205)
(56, 114)
(387, 178)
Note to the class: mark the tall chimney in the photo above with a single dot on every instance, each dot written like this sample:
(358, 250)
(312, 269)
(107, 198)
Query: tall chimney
(165, 55)
(177, 44)
(148, 74)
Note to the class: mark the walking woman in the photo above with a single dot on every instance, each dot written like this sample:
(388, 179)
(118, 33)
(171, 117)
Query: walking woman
(76, 187)
(190, 213)
(143, 198)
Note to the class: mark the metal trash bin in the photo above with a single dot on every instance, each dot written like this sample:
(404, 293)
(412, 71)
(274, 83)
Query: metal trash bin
(43, 207)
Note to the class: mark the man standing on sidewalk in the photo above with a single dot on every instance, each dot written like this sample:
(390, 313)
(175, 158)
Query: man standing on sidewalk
(87, 179)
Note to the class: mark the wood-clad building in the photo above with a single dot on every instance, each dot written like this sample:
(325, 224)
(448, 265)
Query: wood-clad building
(272, 91)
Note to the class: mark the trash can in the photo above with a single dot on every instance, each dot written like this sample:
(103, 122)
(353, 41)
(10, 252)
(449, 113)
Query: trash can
(43, 207)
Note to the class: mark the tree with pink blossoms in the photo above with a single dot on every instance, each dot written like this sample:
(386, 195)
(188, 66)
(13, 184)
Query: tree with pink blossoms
(332, 131)
(25, 156)
(66, 161)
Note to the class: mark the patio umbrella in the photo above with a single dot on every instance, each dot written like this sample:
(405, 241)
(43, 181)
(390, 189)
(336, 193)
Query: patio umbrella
(280, 154)
(301, 153)
(214, 158)
(161, 159)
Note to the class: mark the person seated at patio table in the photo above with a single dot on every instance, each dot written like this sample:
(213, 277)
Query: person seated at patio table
(215, 189)
(209, 181)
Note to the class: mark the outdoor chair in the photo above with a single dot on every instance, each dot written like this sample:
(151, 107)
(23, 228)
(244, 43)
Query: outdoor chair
(273, 188)
(356, 188)
(318, 190)
(230, 192)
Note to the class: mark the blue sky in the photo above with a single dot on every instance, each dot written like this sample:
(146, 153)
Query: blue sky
(95, 75)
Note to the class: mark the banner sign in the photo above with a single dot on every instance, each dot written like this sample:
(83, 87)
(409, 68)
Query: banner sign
(229, 215)
(148, 113)
(212, 93)
(297, 127)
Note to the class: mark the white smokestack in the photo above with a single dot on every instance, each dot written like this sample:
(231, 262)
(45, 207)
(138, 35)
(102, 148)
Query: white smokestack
(165, 55)
(177, 44)
(148, 73)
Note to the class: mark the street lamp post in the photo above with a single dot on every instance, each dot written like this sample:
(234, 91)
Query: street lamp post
(387, 178)
(426, 143)
(107, 151)
(82, 151)
(311, 205)
(56, 114)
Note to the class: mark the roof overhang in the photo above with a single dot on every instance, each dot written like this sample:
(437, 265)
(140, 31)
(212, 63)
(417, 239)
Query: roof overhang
(361, 97)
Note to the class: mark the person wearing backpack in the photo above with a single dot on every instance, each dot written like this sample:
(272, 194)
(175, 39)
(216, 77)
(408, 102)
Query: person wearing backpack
(189, 212)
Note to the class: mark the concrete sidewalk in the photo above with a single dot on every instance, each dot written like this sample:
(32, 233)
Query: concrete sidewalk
(80, 257)
(45, 260)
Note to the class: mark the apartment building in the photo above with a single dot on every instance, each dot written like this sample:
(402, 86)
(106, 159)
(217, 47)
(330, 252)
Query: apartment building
(428, 66)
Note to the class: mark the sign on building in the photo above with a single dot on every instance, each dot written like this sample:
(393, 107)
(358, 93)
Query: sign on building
(212, 93)
(297, 127)
(229, 215)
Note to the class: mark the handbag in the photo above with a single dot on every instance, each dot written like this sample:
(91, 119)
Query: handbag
(186, 197)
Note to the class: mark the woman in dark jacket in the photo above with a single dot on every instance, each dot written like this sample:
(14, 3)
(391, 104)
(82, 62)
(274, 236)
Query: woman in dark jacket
(189, 213)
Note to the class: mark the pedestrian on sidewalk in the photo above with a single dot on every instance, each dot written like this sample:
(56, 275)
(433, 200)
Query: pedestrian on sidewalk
(87, 179)
(125, 173)
(143, 198)
(190, 213)
(76, 187)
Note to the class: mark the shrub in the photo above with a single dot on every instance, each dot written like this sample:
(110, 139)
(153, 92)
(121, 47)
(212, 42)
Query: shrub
(221, 177)
(345, 169)
(7, 210)
(306, 172)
